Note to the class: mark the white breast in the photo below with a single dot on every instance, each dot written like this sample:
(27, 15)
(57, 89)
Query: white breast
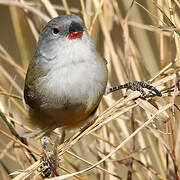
(77, 76)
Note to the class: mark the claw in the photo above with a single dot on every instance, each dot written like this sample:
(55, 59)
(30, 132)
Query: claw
(136, 86)
(48, 158)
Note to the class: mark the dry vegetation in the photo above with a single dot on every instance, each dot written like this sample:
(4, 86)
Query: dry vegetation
(132, 138)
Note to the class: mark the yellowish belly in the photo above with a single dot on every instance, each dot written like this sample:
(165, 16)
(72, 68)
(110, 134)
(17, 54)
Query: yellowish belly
(67, 117)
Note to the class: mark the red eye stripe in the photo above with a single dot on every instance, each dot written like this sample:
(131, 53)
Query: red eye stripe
(74, 35)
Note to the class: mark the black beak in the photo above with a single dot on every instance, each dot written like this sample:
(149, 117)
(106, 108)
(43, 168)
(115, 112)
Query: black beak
(75, 27)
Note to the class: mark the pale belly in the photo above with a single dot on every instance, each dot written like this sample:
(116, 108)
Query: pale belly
(76, 88)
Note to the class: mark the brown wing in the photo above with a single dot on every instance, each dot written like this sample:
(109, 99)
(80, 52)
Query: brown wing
(34, 72)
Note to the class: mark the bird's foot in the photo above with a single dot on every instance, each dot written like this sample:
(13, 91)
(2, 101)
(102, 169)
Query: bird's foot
(49, 158)
(136, 86)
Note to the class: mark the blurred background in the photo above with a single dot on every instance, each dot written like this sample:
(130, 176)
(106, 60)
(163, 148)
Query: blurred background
(138, 39)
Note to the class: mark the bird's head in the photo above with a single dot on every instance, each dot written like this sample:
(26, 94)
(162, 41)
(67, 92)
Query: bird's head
(61, 32)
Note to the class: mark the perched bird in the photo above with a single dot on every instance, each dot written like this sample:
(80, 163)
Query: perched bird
(66, 79)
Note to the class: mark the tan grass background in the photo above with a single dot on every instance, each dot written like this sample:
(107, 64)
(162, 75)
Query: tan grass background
(141, 41)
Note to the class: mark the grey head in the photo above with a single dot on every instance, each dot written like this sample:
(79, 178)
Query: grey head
(58, 32)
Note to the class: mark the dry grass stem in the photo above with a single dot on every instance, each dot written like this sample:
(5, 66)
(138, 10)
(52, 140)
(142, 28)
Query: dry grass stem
(132, 138)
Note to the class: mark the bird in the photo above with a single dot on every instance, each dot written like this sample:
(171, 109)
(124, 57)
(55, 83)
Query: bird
(65, 82)
(66, 78)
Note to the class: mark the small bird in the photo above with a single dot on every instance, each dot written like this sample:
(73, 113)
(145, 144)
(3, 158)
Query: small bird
(66, 79)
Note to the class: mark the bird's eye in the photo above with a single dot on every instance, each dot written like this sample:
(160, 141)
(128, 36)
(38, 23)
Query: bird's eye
(55, 30)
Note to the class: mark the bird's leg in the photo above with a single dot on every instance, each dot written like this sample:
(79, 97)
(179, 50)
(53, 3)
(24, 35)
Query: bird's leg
(136, 86)
(49, 158)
